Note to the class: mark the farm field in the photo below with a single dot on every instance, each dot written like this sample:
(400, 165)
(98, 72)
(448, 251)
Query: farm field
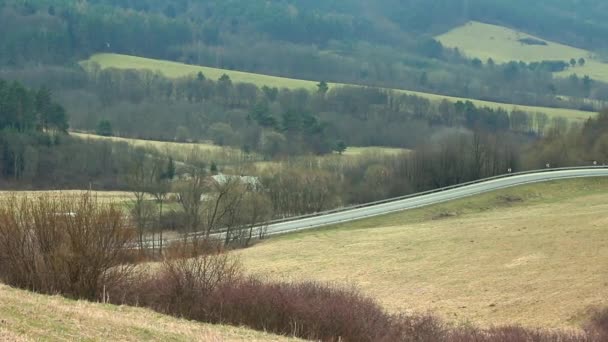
(26, 316)
(502, 44)
(101, 196)
(535, 255)
(180, 151)
(351, 155)
(358, 151)
(174, 69)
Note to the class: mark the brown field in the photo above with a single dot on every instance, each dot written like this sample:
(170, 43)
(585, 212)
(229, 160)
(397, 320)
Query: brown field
(25, 316)
(351, 155)
(101, 196)
(180, 151)
(535, 255)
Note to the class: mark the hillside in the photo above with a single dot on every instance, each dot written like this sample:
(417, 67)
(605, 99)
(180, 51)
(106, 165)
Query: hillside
(502, 44)
(175, 70)
(533, 255)
(25, 316)
(386, 43)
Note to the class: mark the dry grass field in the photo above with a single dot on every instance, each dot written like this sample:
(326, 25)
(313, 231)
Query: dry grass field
(535, 255)
(179, 151)
(25, 316)
(174, 69)
(101, 196)
(502, 44)
(358, 151)
(351, 155)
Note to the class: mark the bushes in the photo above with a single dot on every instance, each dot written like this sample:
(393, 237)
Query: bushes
(598, 324)
(72, 247)
(211, 288)
(307, 310)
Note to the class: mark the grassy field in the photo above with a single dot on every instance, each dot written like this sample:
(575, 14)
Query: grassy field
(101, 196)
(351, 155)
(358, 151)
(181, 151)
(535, 255)
(25, 316)
(502, 44)
(174, 69)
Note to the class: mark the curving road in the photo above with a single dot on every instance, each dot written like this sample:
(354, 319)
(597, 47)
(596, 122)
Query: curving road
(434, 197)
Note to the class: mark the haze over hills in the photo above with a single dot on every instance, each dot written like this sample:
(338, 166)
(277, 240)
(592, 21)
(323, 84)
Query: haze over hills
(182, 127)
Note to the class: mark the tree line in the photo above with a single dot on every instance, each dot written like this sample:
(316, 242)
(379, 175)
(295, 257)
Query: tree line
(274, 122)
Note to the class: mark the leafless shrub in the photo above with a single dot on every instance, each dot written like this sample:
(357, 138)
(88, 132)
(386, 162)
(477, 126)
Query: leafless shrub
(69, 246)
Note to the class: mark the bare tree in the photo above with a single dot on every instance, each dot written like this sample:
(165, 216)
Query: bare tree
(190, 193)
(139, 180)
(222, 205)
(160, 187)
(255, 211)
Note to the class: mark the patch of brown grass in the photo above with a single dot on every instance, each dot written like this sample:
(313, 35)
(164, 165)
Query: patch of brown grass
(538, 261)
(99, 196)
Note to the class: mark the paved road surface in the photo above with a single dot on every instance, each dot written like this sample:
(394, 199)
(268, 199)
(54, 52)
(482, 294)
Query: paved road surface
(429, 199)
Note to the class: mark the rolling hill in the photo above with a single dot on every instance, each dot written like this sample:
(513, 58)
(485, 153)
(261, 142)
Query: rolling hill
(176, 70)
(533, 255)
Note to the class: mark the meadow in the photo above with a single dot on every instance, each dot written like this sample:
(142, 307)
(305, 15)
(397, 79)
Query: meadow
(207, 152)
(224, 155)
(503, 44)
(534, 255)
(100, 196)
(176, 70)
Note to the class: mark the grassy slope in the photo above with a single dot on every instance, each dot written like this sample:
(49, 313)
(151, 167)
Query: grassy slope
(534, 255)
(161, 145)
(26, 316)
(174, 69)
(501, 44)
(182, 151)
